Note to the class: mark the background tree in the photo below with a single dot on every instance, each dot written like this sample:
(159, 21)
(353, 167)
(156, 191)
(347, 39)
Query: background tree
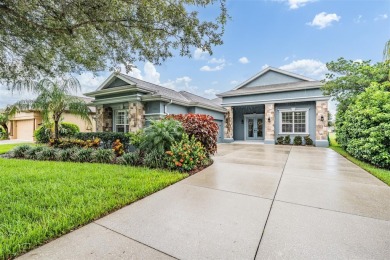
(54, 98)
(5, 116)
(386, 52)
(49, 38)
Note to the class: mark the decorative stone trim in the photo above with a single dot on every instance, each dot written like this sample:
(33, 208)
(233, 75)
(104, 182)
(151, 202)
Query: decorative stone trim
(103, 119)
(228, 127)
(136, 116)
(322, 126)
(269, 126)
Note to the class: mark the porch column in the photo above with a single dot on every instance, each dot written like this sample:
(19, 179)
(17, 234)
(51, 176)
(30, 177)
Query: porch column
(228, 126)
(269, 124)
(99, 118)
(136, 116)
(322, 123)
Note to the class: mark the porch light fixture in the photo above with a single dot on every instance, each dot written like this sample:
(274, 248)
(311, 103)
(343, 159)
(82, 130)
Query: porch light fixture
(322, 118)
(269, 119)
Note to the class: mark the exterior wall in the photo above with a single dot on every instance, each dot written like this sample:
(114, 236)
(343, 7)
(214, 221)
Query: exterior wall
(176, 109)
(269, 124)
(228, 125)
(272, 97)
(238, 117)
(117, 83)
(311, 117)
(136, 116)
(217, 115)
(84, 126)
(322, 126)
(270, 78)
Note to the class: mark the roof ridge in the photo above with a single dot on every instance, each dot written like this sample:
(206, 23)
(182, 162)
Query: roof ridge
(149, 82)
(193, 94)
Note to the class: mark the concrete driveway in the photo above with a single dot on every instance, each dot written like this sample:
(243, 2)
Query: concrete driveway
(254, 202)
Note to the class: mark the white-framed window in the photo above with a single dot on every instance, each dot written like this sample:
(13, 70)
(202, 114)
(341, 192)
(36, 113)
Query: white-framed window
(122, 121)
(293, 121)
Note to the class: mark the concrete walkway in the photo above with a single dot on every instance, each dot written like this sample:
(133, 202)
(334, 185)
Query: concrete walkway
(254, 202)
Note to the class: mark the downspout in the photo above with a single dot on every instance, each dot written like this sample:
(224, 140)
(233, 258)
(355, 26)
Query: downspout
(166, 107)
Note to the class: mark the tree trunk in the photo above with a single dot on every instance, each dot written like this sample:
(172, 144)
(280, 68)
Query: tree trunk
(56, 130)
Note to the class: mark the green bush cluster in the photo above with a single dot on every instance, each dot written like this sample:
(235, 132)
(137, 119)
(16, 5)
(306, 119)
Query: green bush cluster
(45, 132)
(107, 138)
(298, 140)
(364, 129)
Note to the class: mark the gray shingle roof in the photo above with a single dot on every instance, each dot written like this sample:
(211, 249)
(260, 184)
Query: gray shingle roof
(183, 96)
(273, 88)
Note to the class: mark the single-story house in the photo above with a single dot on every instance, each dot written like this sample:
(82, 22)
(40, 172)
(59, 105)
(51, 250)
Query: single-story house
(272, 103)
(276, 103)
(23, 124)
(127, 104)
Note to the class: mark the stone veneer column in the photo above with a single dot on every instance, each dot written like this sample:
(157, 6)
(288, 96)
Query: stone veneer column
(269, 126)
(136, 116)
(228, 127)
(99, 118)
(322, 126)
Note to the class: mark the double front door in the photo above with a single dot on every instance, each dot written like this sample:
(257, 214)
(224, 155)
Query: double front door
(254, 127)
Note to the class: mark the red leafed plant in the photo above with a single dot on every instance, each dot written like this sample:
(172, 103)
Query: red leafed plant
(117, 146)
(202, 127)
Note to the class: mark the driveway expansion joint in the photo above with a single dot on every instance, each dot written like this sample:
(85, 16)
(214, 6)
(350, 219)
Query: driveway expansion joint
(123, 235)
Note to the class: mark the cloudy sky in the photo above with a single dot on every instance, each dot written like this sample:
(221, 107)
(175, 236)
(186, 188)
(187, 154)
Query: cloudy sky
(295, 35)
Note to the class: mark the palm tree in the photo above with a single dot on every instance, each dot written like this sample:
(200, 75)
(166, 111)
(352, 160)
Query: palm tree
(386, 51)
(54, 98)
(5, 115)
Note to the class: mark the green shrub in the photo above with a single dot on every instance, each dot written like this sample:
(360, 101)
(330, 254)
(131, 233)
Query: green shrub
(103, 156)
(308, 140)
(136, 138)
(83, 155)
(19, 151)
(68, 129)
(133, 158)
(279, 140)
(65, 155)
(3, 133)
(365, 128)
(31, 153)
(43, 133)
(186, 154)
(297, 140)
(287, 140)
(203, 127)
(106, 138)
(154, 159)
(160, 135)
(69, 143)
(46, 154)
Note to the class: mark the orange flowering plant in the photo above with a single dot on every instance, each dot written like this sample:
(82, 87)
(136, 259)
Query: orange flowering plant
(117, 146)
(185, 155)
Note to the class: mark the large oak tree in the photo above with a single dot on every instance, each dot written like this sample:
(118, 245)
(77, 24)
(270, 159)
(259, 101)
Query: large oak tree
(49, 38)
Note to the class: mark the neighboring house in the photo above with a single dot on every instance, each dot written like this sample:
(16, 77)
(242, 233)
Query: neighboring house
(127, 104)
(23, 124)
(276, 103)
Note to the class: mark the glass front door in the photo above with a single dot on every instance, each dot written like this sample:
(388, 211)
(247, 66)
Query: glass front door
(254, 128)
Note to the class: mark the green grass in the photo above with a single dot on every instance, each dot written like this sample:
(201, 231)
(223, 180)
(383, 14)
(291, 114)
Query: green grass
(40, 200)
(7, 147)
(382, 174)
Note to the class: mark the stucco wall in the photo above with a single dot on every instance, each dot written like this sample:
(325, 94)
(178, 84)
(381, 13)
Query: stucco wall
(312, 117)
(238, 117)
(215, 114)
(84, 126)
(270, 78)
(117, 83)
(272, 97)
(176, 109)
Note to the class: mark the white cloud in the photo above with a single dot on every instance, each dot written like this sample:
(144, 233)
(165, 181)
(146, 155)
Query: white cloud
(234, 82)
(216, 68)
(90, 82)
(264, 66)
(359, 19)
(323, 20)
(286, 58)
(151, 74)
(217, 61)
(214, 82)
(136, 73)
(381, 17)
(7, 97)
(199, 54)
(295, 4)
(243, 60)
(181, 83)
(210, 93)
(308, 67)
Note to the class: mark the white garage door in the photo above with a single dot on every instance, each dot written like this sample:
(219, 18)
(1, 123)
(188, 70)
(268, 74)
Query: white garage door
(25, 130)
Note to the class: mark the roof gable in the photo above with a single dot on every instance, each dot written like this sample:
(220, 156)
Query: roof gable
(115, 80)
(272, 76)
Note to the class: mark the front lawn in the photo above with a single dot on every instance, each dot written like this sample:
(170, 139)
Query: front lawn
(382, 174)
(7, 147)
(41, 200)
